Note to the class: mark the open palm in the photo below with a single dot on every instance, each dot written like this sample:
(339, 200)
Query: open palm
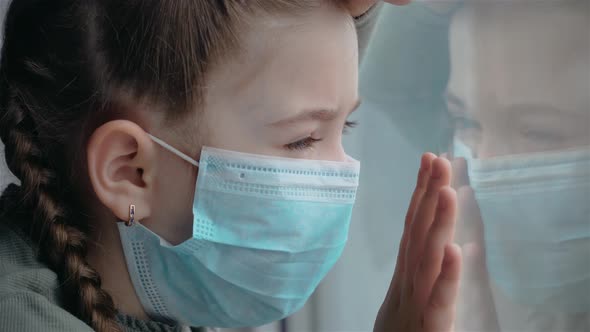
(423, 292)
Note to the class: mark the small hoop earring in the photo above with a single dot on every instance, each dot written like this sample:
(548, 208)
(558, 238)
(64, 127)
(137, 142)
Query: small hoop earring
(131, 220)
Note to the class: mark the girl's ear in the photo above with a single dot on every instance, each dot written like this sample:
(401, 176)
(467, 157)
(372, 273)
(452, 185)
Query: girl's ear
(121, 165)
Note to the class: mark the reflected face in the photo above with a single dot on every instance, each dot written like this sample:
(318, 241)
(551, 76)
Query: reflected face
(520, 76)
(520, 83)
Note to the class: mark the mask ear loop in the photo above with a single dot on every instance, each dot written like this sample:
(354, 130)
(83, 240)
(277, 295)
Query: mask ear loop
(174, 150)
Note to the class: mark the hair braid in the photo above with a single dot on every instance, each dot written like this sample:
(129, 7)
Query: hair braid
(62, 244)
(43, 103)
(67, 67)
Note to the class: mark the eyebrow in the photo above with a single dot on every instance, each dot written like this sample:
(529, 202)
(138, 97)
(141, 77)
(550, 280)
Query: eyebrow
(314, 114)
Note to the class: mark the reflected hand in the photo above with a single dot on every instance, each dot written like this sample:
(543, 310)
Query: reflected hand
(423, 291)
(475, 308)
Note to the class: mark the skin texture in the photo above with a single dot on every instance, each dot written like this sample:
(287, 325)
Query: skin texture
(302, 64)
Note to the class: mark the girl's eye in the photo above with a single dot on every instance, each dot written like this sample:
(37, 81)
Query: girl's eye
(309, 142)
(303, 144)
(349, 125)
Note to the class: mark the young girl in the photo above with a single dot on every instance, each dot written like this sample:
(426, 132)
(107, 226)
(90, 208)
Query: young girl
(180, 164)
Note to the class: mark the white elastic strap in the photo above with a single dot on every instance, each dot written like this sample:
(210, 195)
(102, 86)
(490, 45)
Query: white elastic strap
(174, 150)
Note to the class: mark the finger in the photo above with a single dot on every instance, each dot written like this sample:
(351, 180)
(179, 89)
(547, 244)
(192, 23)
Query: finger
(440, 235)
(419, 190)
(424, 216)
(460, 173)
(470, 226)
(439, 314)
(421, 186)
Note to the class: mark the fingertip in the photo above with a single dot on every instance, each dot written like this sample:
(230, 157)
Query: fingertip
(441, 168)
(448, 190)
(454, 249)
(452, 261)
(445, 161)
(424, 173)
(426, 161)
(453, 252)
(447, 198)
(430, 155)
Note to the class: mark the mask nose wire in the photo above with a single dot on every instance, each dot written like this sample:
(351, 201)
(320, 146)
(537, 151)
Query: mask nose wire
(174, 150)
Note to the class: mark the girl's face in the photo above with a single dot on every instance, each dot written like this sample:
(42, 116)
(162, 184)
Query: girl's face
(287, 92)
(290, 92)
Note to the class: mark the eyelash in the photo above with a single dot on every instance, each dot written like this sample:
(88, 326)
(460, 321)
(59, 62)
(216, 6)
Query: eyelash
(309, 142)
(349, 125)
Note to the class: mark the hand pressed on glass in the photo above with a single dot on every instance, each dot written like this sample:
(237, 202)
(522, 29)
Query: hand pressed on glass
(423, 291)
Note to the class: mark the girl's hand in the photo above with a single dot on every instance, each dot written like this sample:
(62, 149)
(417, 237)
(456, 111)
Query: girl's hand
(423, 291)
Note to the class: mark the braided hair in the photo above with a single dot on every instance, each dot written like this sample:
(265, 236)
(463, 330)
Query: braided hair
(63, 66)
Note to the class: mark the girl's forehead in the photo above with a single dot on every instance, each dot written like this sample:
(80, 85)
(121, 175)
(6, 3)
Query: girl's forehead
(311, 59)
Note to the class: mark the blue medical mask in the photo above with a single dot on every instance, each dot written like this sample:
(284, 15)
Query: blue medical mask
(266, 231)
(536, 214)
